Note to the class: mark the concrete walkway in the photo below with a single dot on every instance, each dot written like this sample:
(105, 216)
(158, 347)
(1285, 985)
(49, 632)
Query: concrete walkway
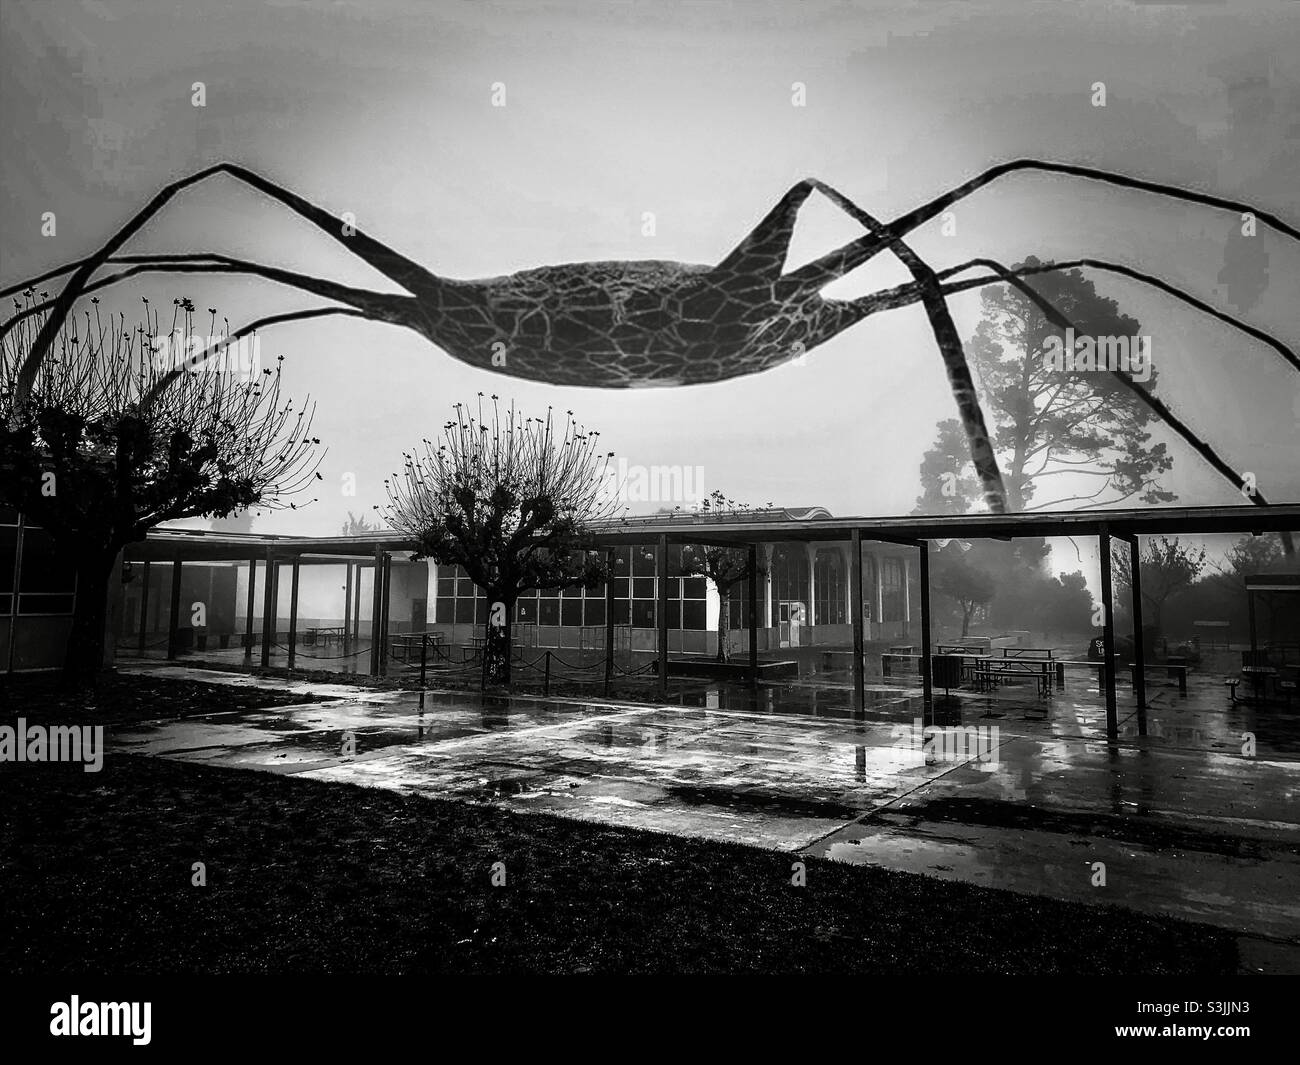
(1189, 822)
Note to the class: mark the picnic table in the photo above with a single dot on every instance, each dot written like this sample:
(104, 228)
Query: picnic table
(1033, 663)
(323, 634)
(1259, 677)
(409, 645)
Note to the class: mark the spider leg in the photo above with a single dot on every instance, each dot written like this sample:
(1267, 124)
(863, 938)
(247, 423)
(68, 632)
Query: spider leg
(382, 306)
(762, 253)
(839, 262)
(164, 382)
(1059, 319)
(946, 336)
(392, 265)
(1288, 355)
(838, 315)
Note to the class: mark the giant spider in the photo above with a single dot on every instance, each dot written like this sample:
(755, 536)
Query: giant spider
(657, 322)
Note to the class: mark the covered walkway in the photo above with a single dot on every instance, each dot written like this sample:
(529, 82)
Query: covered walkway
(378, 555)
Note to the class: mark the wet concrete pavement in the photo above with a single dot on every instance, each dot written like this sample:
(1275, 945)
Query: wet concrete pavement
(1189, 822)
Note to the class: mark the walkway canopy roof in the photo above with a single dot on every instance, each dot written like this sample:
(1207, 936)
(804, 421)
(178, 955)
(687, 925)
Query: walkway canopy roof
(809, 524)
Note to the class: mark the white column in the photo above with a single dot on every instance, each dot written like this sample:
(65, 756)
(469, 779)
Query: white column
(846, 558)
(907, 591)
(880, 590)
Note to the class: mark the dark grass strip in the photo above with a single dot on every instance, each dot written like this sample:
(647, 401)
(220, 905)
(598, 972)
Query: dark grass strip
(309, 877)
(122, 698)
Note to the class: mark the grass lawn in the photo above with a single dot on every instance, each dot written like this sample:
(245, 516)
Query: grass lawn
(311, 877)
(120, 698)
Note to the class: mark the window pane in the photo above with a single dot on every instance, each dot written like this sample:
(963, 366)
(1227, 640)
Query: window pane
(44, 570)
(643, 614)
(444, 611)
(695, 614)
(643, 566)
(464, 587)
(8, 546)
(447, 586)
(643, 587)
(570, 611)
(44, 604)
(674, 614)
(696, 587)
(465, 611)
(622, 612)
(595, 612)
(549, 612)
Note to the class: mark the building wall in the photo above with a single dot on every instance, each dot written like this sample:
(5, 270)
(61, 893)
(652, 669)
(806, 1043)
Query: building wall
(37, 596)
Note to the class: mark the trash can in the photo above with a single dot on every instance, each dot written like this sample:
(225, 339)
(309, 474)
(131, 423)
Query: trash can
(945, 671)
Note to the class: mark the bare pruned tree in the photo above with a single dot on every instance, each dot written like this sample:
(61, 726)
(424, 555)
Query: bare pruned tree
(97, 455)
(512, 501)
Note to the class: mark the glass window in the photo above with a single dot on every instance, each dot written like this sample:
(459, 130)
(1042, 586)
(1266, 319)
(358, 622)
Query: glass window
(643, 614)
(570, 611)
(29, 603)
(643, 562)
(465, 611)
(694, 614)
(643, 588)
(594, 612)
(43, 568)
(891, 576)
(739, 599)
(549, 612)
(696, 587)
(830, 589)
(8, 550)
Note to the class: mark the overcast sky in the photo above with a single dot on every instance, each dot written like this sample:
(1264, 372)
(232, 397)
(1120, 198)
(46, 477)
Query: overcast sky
(384, 109)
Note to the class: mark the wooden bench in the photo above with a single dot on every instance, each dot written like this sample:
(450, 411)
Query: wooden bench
(1177, 670)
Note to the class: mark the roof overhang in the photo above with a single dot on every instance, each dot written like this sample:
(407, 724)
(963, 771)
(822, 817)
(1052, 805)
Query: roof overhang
(738, 530)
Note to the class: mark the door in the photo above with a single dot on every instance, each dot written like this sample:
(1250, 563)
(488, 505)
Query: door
(791, 620)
